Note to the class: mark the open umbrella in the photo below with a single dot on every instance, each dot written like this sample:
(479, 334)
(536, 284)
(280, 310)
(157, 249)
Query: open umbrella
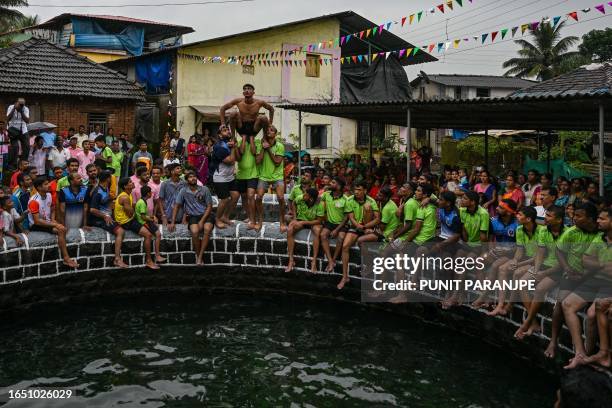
(40, 126)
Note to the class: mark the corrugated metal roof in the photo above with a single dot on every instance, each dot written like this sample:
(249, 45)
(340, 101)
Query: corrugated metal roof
(478, 81)
(37, 66)
(67, 16)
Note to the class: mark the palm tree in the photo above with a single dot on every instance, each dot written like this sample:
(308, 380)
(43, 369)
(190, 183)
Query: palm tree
(8, 15)
(546, 57)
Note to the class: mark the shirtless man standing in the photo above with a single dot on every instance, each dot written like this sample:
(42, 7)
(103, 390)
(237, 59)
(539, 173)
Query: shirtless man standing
(247, 120)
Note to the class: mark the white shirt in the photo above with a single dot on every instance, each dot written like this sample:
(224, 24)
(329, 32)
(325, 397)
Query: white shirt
(93, 135)
(38, 158)
(81, 137)
(540, 213)
(168, 162)
(8, 220)
(58, 158)
(17, 119)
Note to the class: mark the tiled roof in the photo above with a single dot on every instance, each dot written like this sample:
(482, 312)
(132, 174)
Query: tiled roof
(589, 80)
(39, 67)
(478, 81)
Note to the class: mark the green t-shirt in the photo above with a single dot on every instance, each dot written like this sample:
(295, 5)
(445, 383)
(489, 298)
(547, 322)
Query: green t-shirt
(603, 251)
(474, 223)
(574, 243)
(247, 166)
(353, 206)
(523, 240)
(141, 210)
(410, 209)
(63, 182)
(306, 213)
(334, 208)
(296, 192)
(426, 214)
(268, 171)
(116, 160)
(544, 238)
(389, 218)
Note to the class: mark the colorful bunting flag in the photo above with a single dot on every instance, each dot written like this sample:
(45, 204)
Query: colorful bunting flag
(388, 25)
(504, 31)
(374, 57)
(456, 43)
(601, 8)
(381, 28)
(361, 34)
(459, 2)
(402, 52)
(484, 37)
(534, 25)
(403, 21)
(368, 32)
(448, 43)
(574, 15)
(493, 35)
(431, 47)
(524, 28)
(441, 7)
(360, 58)
(514, 30)
(416, 49)
(449, 4)
(419, 15)
(409, 51)
(440, 46)
(374, 31)
(348, 38)
(354, 57)
(411, 18)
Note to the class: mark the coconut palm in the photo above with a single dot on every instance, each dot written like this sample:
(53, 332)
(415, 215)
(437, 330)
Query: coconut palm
(546, 57)
(8, 15)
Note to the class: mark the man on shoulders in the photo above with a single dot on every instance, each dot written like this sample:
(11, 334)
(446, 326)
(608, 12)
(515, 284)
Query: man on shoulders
(247, 120)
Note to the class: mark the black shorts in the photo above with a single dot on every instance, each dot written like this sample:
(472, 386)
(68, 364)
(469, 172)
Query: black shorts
(328, 225)
(42, 228)
(223, 189)
(132, 225)
(358, 232)
(195, 219)
(247, 129)
(112, 228)
(151, 226)
(243, 185)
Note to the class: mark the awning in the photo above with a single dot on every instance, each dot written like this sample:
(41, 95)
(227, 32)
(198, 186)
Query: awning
(208, 112)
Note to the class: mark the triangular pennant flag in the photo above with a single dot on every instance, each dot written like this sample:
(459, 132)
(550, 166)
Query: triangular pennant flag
(524, 28)
(456, 43)
(381, 28)
(368, 32)
(441, 7)
(416, 49)
(601, 8)
(586, 10)
(534, 25)
(514, 30)
(348, 38)
(342, 60)
(459, 2)
(484, 37)
(574, 15)
(388, 25)
(504, 31)
(403, 21)
(374, 31)
(330, 44)
(360, 58)
(449, 4)
(409, 51)
(402, 52)
(374, 56)
(325, 60)
(493, 35)
(447, 45)
(440, 46)
(354, 59)
(431, 47)
(342, 40)
(556, 21)
(320, 61)
(419, 15)
(361, 33)
(411, 18)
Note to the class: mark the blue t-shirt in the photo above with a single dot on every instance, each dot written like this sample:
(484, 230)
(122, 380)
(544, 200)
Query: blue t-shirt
(100, 199)
(49, 139)
(503, 232)
(450, 223)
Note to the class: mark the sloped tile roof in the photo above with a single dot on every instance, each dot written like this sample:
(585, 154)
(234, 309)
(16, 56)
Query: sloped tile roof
(589, 80)
(39, 67)
(478, 81)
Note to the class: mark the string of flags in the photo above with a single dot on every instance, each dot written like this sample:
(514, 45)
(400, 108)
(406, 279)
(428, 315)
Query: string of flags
(296, 58)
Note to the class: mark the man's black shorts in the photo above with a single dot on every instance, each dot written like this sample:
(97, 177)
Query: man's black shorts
(132, 225)
(112, 228)
(247, 128)
(223, 189)
(195, 219)
(243, 185)
(42, 228)
(328, 225)
(151, 226)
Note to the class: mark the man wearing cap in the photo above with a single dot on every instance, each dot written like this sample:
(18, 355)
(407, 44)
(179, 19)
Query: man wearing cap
(247, 120)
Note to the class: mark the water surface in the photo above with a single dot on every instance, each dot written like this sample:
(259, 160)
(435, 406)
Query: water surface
(225, 351)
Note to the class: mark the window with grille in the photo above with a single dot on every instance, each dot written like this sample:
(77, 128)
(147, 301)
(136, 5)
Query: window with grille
(313, 67)
(94, 119)
(483, 92)
(363, 132)
(316, 136)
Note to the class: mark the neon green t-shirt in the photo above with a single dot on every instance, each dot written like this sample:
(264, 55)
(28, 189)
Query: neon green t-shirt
(389, 218)
(528, 243)
(116, 160)
(574, 243)
(63, 182)
(306, 213)
(410, 209)
(353, 206)
(544, 238)
(334, 208)
(474, 223)
(268, 171)
(296, 192)
(603, 251)
(426, 214)
(140, 211)
(247, 166)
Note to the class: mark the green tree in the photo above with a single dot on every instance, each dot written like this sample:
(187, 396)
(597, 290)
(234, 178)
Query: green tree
(597, 45)
(8, 15)
(544, 58)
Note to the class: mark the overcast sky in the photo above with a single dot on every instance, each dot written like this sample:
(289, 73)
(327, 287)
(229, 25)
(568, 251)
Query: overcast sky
(472, 19)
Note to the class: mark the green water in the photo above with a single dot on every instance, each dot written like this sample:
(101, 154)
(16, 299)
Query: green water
(239, 351)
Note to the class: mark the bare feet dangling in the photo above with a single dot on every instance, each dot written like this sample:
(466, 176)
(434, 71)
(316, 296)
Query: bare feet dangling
(551, 350)
(71, 263)
(330, 266)
(160, 259)
(118, 262)
(152, 265)
(290, 266)
(342, 283)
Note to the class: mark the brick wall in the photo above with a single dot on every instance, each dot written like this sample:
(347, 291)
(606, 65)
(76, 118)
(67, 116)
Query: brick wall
(67, 112)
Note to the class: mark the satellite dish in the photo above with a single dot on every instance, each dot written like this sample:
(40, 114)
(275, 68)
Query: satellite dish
(423, 75)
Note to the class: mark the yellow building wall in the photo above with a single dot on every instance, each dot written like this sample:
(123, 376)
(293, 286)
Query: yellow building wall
(99, 57)
(214, 84)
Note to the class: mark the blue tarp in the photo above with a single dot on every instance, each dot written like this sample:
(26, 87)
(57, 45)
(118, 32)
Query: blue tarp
(154, 73)
(89, 33)
(460, 134)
